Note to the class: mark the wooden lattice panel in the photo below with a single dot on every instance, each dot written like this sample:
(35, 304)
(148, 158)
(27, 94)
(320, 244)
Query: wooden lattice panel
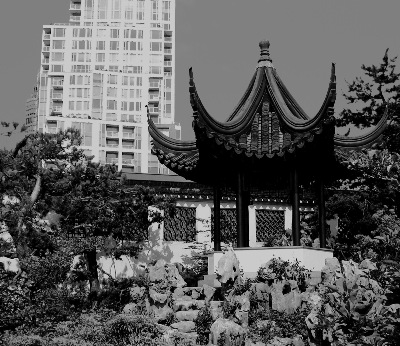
(182, 226)
(228, 225)
(270, 224)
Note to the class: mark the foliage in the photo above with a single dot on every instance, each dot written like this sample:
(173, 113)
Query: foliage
(267, 324)
(203, 323)
(371, 95)
(137, 330)
(350, 308)
(278, 269)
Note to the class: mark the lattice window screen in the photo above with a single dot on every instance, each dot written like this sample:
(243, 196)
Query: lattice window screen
(270, 225)
(228, 226)
(181, 227)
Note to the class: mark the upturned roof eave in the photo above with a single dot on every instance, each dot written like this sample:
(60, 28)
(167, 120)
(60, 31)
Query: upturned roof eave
(368, 138)
(292, 117)
(243, 116)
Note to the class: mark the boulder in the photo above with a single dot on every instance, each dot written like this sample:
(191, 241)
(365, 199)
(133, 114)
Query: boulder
(129, 308)
(228, 267)
(208, 292)
(158, 297)
(185, 305)
(158, 272)
(184, 326)
(137, 292)
(189, 315)
(234, 334)
(178, 293)
(160, 312)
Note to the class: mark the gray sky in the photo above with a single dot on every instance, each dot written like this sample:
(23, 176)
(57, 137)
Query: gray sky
(219, 39)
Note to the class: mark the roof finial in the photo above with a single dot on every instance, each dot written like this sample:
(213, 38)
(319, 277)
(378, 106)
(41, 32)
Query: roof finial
(264, 54)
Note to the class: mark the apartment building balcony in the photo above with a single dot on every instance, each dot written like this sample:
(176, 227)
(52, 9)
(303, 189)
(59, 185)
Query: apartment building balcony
(75, 8)
(168, 39)
(112, 143)
(58, 97)
(129, 135)
(168, 65)
(46, 51)
(154, 110)
(111, 117)
(52, 130)
(154, 85)
(56, 110)
(74, 18)
(167, 33)
(76, 1)
(128, 162)
(167, 45)
(128, 144)
(45, 61)
(154, 98)
(57, 84)
(112, 134)
(46, 39)
(112, 160)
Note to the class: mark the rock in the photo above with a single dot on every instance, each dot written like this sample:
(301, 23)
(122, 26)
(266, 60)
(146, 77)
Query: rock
(158, 272)
(329, 271)
(175, 279)
(228, 267)
(196, 292)
(185, 305)
(278, 301)
(367, 264)
(158, 297)
(234, 333)
(160, 312)
(189, 315)
(129, 308)
(184, 326)
(136, 292)
(178, 293)
(208, 292)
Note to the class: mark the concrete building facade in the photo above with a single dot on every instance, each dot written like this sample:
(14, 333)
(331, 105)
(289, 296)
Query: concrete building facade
(101, 70)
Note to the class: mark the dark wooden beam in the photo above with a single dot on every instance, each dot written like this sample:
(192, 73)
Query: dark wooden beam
(217, 218)
(295, 207)
(321, 212)
(242, 211)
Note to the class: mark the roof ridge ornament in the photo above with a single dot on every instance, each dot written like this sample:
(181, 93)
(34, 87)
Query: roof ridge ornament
(265, 59)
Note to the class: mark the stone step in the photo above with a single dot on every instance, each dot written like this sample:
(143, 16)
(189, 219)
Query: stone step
(185, 305)
(210, 280)
(189, 315)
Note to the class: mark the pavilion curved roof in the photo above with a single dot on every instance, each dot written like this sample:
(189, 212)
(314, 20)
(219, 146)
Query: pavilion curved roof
(267, 123)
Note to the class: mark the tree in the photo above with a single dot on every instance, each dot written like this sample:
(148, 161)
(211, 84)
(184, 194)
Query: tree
(48, 172)
(369, 96)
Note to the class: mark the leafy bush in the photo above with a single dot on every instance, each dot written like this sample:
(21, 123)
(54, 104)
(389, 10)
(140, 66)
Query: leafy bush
(203, 323)
(138, 330)
(25, 340)
(350, 308)
(279, 269)
(267, 324)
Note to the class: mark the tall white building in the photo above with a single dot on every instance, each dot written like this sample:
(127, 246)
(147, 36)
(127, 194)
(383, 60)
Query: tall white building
(100, 70)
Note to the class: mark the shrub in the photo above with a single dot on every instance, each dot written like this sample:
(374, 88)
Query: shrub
(203, 323)
(25, 340)
(125, 329)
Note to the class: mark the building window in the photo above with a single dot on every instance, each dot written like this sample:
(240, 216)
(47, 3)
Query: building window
(81, 44)
(156, 34)
(166, 11)
(156, 46)
(114, 33)
(58, 44)
(129, 33)
(101, 45)
(115, 9)
(101, 33)
(55, 56)
(112, 79)
(155, 69)
(114, 45)
(112, 92)
(111, 104)
(100, 57)
(59, 32)
(140, 10)
(154, 9)
(102, 12)
(57, 68)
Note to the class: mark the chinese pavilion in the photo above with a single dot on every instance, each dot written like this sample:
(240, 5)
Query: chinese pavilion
(268, 141)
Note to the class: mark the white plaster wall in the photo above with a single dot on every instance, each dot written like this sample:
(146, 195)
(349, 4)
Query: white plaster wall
(251, 259)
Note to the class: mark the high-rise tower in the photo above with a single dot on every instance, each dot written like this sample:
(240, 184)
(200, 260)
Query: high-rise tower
(100, 70)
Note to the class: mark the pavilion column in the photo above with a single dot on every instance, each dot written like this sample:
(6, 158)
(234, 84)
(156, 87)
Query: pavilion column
(217, 218)
(321, 212)
(295, 207)
(242, 211)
